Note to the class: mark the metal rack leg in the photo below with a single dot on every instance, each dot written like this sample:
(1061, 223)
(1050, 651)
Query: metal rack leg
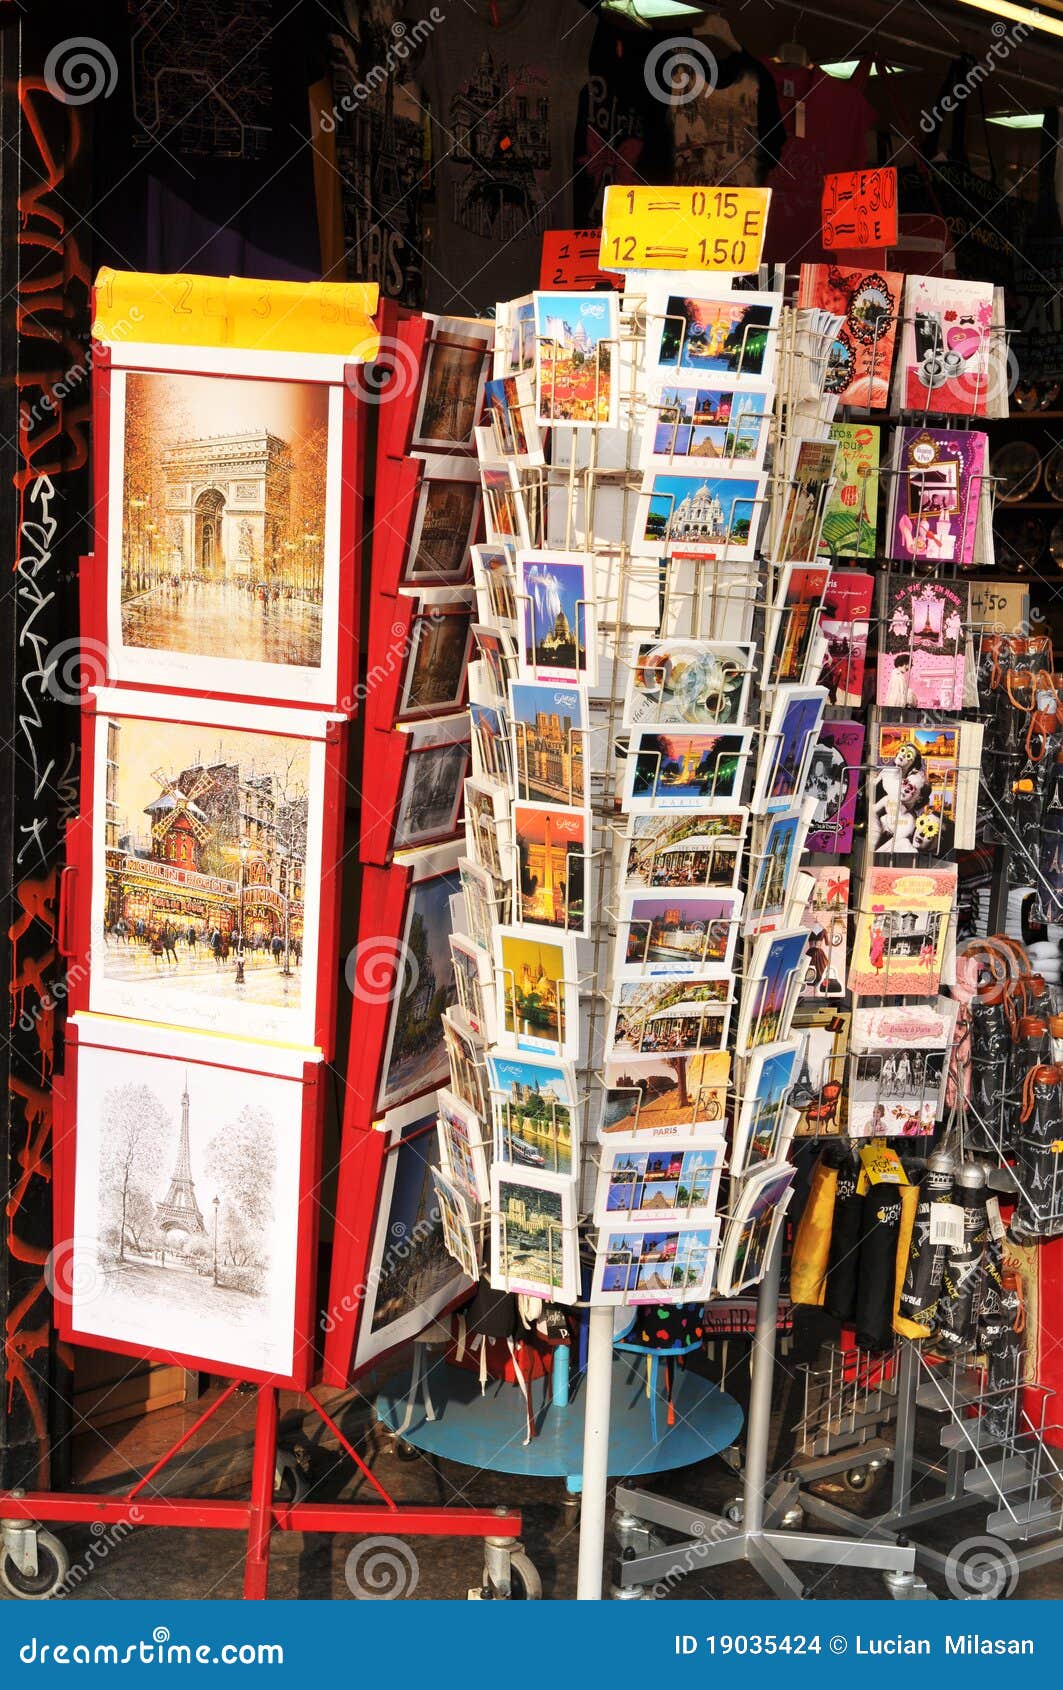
(260, 1525)
(598, 1386)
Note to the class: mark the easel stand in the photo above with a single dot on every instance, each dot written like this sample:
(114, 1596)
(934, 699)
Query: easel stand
(758, 1540)
(259, 1516)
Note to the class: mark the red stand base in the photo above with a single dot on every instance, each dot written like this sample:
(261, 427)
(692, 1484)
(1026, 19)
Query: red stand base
(260, 1516)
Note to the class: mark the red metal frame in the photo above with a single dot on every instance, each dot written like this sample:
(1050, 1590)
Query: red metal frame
(259, 1515)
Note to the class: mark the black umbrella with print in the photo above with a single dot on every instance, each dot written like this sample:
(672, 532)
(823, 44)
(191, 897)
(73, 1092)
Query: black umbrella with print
(961, 1282)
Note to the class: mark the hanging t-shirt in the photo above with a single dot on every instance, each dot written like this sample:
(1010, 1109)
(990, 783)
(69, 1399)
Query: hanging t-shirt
(622, 130)
(826, 124)
(380, 150)
(503, 99)
(730, 135)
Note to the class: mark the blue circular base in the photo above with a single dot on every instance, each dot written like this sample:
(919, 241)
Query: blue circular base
(487, 1431)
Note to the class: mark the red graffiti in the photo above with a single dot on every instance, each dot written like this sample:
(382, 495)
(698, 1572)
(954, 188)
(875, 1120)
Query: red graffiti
(33, 1157)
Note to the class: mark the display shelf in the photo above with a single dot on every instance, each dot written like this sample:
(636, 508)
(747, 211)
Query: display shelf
(485, 1429)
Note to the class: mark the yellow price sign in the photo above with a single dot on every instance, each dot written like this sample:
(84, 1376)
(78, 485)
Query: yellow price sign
(683, 228)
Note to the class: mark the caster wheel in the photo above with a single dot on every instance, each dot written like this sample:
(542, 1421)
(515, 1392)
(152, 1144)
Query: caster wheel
(403, 1451)
(53, 1565)
(735, 1511)
(858, 1479)
(525, 1585)
(289, 1480)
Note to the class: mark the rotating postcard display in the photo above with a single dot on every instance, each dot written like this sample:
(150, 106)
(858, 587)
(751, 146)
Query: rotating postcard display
(205, 889)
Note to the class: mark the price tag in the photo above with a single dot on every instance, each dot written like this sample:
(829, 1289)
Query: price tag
(946, 1224)
(1000, 607)
(997, 1229)
(570, 261)
(684, 228)
(859, 209)
(882, 1165)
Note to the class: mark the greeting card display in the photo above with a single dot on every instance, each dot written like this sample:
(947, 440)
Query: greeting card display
(936, 495)
(901, 931)
(851, 519)
(838, 652)
(922, 644)
(834, 783)
(950, 349)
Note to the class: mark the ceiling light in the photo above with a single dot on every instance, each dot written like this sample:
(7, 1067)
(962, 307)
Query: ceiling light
(1019, 120)
(844, 68)
(642, 11)
(1050, 22)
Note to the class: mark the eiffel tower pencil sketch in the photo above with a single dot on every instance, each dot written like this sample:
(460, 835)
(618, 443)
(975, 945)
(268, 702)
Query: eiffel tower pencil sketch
(187, 1200)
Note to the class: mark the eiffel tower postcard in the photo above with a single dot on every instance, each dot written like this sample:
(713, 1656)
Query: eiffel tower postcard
(186, 1210)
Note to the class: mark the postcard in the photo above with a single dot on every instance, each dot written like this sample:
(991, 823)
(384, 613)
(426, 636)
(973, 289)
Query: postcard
(224, 533)
(487, 827)
(773, 869)
(552, 857)
(772, 988)
(467, 1063)
(536, 1118)
(515, 336)
(702, 512)
(868, 301)
(923, 798)
(673, 1265)
(819, 1093)
(494, 572)
(660, 1096)
(487, 903)
(732, 334)
(455, 365)
(677, 1183)
(793, 621)
(915, 1026)
(446, 516)
(436, 675)
(946, 352)
(721, 423)
(691, 850)
(901, 931)
(559, 640)
(792, 732)
(437, 762)
(510, 406)
(826, 915)
(538, 997)
(534, 1247)
(496, 653)
(490, 744)
(463, 1143)
(834, 783)
(851, 522)
(796, 534)
(655, 1016)
(577, 342)
(766, 1117)
(414, 1050)
(549, 733)
(474, 980)
(896, 1093)
(685, 771)
(683, 683)
(505, 514)
(677, 932)
(923, 644)
(460, 1232)
(758, 1210)
(838, 652)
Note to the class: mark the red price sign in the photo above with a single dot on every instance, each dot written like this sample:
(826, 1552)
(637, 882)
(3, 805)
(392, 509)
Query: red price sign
(860, 209)
(570, 260)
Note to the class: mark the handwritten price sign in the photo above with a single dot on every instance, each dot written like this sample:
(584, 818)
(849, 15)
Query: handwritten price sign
(683, 228)
(860, 209)
(570, 260)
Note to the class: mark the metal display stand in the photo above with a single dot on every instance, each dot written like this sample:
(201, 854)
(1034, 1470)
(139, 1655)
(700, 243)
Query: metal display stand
(758, 1539)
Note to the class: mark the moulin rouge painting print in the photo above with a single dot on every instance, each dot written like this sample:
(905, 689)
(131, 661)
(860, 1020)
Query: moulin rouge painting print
(224, 533)
(186, 1212)
(206, 876)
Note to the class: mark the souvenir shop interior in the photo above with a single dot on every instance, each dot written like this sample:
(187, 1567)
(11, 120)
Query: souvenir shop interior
(533, 820)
